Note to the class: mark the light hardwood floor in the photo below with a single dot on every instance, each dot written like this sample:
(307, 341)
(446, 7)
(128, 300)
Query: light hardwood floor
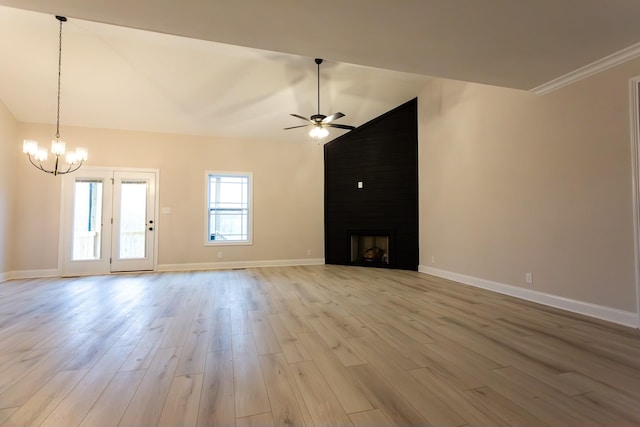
(316, 345)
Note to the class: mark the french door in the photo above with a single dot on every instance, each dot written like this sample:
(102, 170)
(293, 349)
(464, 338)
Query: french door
(108, 221)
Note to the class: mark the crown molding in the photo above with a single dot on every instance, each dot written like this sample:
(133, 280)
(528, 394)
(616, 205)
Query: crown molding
(588, 70)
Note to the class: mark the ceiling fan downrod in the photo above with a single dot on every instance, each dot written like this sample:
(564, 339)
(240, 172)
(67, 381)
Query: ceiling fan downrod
(318, 116)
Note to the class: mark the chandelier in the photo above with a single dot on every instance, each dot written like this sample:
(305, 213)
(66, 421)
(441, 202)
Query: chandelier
(37, 155)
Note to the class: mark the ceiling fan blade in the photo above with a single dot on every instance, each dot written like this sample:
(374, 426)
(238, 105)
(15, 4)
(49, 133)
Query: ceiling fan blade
(332, 117)
(295, 127)
(334, 125)
(306, 119)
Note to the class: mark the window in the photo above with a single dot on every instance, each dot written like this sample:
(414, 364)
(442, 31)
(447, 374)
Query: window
(228, 208)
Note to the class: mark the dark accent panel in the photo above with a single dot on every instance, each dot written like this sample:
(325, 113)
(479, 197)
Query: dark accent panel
(383, 155)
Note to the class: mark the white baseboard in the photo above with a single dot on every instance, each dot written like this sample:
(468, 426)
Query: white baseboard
(613, 315)
(30, 274)
(34, 274)
(240, 264)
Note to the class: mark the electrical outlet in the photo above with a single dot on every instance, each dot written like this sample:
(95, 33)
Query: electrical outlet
(308, 251)
(433, 260)
(219, 254)
(528, 277)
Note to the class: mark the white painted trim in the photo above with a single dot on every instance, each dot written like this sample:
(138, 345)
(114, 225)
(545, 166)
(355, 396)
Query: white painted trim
(240, 264)
(588, 70)
(634, 120)
(621, 317)
(35, 274)
(205, 234)
(62, 247)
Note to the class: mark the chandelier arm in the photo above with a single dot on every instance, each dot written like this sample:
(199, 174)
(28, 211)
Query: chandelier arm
(68, 170)
(55, 171)
(39, 165)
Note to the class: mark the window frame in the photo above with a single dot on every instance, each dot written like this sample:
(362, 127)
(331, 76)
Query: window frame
(207, 192)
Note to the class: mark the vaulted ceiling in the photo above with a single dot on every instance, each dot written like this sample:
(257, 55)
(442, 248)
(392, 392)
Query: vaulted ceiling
(238, 68)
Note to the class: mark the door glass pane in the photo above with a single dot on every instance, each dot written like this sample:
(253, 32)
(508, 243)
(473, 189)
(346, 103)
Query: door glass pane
(133, 214)
(87, 220)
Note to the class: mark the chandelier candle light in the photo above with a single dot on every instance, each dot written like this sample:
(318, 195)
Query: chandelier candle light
(30, 147)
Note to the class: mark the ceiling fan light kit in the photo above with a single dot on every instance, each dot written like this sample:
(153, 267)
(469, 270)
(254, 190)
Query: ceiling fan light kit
(320, 122)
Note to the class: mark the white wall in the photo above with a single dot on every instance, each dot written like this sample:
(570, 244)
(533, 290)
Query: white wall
(288, 195)
(12, 150)
(512, 183)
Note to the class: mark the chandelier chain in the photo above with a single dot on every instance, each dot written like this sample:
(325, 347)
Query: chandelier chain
(59, 77)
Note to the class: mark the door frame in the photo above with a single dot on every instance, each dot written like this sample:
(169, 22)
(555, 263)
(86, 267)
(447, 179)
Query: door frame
(63, 212)
(634, 109)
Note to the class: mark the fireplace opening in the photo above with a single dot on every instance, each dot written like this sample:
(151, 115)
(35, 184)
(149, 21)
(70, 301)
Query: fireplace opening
(370, 250)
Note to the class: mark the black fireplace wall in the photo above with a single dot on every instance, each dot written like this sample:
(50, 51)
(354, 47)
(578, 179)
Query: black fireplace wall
(371, 183)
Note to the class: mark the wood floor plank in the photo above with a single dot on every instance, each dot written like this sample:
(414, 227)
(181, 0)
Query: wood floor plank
(338, 377)
(148, 401)
(624, 410)
(374, 348)
(220, 330)
(323, 406)
(194, 354)
(287, 404)
(41, 404)
(250, 394)
(545, 409)
(22, 387)
(260, 420)
(77, 403)
(386, 398)
(177, 331)
(113, 402)
(430, 406)
(374, 417)
(6, 413)
(16, 365)
(217, 405)
(340, 346)
(265, 338)
(401, 342)
(292, 349)
(473, 414)
(145, 349)
(181, 406)
(562, 404)
(137, 327)
(240, 322)
(504, 409)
